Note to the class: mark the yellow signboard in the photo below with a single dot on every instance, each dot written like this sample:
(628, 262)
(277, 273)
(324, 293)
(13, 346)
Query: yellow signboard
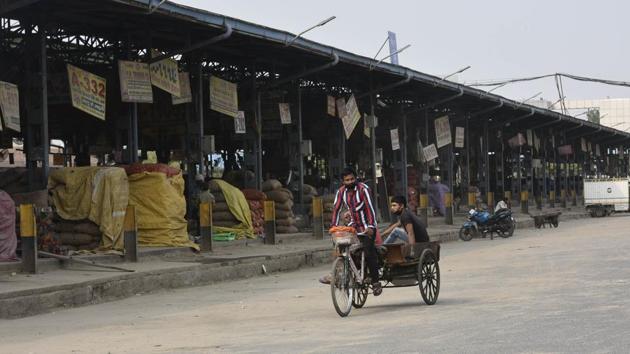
(88, 91)
(184, 88)
(223, 97)
(165, 75)
(135, 82)
(10, 105)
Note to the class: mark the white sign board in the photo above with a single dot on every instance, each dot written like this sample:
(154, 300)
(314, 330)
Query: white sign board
(331, 109)
(352, 116)
(341, 108)
(88, 91)
(223, 96)
(366, 125)
(135, 82)
(165, 75)
(442, 131)
(184, 90)
(285, 113)
(395, 139)
(239, 123)
(459, 137)
(584, 146)
(10, 105)
(430, 153)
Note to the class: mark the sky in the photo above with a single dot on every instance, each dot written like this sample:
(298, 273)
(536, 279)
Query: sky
(499, 39)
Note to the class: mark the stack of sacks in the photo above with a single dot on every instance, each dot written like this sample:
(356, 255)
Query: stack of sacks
(309, 193)
(77, 235)
(240, 178)
(256, 199)
(221, 214)
(283, 198)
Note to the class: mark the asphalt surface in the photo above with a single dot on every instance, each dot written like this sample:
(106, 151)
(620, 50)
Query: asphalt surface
(562, 290)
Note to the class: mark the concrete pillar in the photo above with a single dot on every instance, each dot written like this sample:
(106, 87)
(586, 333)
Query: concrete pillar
(270, 222)
(490, 201)
(318, 218)
(525, 202)
(130, 234)
(424, 208)
(205, 226)
(28, 234)
(448, 201)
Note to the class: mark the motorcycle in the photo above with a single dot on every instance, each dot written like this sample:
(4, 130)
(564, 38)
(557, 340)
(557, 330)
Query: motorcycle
(481, 223)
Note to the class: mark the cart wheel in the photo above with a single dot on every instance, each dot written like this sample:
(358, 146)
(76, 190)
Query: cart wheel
(554, 222)
(466, 234)
(429, 277)
(360, 296)
(341, 286)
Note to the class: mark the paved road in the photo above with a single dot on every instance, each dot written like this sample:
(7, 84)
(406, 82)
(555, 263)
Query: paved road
(562, 290)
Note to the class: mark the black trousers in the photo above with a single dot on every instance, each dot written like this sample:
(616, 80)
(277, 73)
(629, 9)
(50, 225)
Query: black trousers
(370, 256)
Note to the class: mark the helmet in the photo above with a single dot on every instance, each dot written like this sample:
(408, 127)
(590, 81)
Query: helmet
(471, 212)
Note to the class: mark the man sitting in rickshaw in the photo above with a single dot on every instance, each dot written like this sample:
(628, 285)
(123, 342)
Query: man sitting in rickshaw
(408, 228)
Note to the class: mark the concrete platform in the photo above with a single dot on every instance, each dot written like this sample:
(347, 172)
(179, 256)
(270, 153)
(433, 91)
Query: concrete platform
(164, 268)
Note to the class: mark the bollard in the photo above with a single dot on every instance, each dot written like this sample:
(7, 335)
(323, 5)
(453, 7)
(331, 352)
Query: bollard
(472, 200)
(552, 199)
(424, 209)
(524, 202)
(563, 198)
(448, 200)
(205, 226)
(574, 198)
(490, 201)
(130, 234)
(318, 218)
(270, 222)
(508, 196)
(28, 232)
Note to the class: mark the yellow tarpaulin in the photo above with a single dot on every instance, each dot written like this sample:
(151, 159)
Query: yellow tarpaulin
(239, 208)
(160, 209)
(99, 194)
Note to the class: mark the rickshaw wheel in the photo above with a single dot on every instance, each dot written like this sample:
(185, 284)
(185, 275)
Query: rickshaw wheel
(429, 277)
(360, 296)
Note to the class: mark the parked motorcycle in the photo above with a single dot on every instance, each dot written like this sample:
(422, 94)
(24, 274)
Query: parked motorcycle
(481, 223)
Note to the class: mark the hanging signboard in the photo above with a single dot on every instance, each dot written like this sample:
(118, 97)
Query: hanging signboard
(223, 96)
(517, 140)
(285, 113)
(135, 82)
(459, 137)
(597, 151)
(565, 150)
(88, 91)
(536, 163)
(430, 153)
(590, 147)
(366, 125)
(442, 131)
(341, 108)
(10, 106)
(584, 147)
(239, 123)
(536, 142)
(165, 74)
(352, 116)
(530, 137)
(395, 140)
(184, 90)
(331, 105)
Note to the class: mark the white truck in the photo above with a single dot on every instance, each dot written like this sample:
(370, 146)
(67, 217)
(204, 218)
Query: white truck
(604, 196)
